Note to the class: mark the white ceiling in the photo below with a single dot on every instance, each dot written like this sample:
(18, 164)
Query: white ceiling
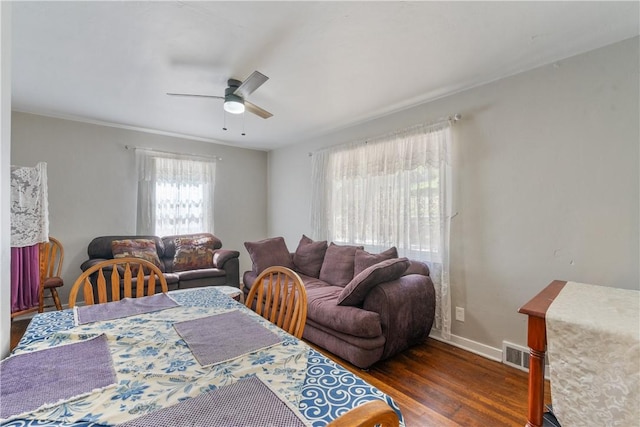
(331, 64)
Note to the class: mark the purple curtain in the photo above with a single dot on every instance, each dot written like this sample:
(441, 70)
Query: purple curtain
(25, 277)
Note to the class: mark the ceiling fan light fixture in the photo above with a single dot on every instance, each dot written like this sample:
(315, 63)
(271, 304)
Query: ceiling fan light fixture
(233, 104)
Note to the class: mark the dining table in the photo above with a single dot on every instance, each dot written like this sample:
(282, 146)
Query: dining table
(188, 357)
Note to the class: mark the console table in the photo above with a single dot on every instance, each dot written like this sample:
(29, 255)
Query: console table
(536, 309)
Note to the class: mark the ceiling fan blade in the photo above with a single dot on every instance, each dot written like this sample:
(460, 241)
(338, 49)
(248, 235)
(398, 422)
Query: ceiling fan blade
(192, 94)
(253, 108)
(250, 84)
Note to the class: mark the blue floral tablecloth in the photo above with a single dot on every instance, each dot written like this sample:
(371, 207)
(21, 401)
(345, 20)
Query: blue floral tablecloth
(156, 369)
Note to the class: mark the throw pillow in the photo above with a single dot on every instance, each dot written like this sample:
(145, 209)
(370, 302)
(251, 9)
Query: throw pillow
(136, 248)
(269, 252)
(337, 266)
(356, 291)
(365, 260)
(309, 256)
(193, 253)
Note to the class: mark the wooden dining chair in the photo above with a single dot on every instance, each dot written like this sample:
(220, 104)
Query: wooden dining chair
(370, 414)
(51, 259)
(104, 281)
(279, 296)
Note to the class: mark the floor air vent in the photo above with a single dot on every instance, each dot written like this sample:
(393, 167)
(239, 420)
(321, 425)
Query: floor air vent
(515, 355)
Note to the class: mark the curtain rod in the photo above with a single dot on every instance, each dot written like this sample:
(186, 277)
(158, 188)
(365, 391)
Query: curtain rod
(204, 156)
(454, 118)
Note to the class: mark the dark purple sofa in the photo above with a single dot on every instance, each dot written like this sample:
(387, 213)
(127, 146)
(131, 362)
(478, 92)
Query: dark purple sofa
(221, 269)
(362, 307)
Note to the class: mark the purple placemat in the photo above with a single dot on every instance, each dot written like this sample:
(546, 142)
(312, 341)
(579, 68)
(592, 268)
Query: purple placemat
(221, 337)
(47, 377)
(124, 308)
(247, 403)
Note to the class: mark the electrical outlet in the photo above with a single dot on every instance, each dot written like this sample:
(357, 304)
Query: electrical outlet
(460, 314)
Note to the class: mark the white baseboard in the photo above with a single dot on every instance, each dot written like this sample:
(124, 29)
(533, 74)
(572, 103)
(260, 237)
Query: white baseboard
(475, 347)
(480, 349)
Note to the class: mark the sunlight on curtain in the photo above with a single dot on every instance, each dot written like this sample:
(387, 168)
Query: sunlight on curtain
(394, 190)
(175, 194)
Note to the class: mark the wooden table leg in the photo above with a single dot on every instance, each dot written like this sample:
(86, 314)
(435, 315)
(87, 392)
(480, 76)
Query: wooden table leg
(537, 338)
(536, 309)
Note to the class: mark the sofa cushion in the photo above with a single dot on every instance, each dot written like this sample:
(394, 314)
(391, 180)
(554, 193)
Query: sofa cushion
(268, 253)
(309, 256)
(100, 247)
(193, 253)
(365, 343)
(337, 266)
(365, 259)
(322, 308)
(201, 273)
(385, 271)
(171, 278)
(136, 248)
(169, 243)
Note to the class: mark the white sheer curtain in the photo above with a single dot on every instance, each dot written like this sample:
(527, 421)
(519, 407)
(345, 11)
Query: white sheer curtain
(29, 205)
(175, 193)
(394, 190)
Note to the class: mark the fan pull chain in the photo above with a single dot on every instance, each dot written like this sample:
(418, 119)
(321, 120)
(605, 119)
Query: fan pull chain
(243, 114)
(224, 120)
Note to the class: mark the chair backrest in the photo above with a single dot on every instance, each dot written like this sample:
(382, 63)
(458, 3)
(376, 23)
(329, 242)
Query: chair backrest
(279, 296)
(370, 414)
(118, 272)
(52, 254)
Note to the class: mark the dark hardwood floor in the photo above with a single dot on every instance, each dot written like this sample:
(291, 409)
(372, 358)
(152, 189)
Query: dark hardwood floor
(18, 327)
(437, 385)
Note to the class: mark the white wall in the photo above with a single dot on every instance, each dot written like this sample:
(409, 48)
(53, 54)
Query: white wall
(93, 186)
(5, 181)
(546, 185)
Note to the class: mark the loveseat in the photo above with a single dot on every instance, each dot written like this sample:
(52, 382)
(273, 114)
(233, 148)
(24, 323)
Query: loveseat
(362, 307)
(187, 260)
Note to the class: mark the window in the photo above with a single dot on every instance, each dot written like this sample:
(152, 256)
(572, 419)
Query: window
(175, 194)
(390, 191)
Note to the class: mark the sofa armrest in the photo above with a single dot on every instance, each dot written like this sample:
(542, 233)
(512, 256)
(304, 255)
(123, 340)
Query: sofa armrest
(228, 261)
(417, 267)
(407, 309)
(90, 263)
(248, 279)
(221, 256)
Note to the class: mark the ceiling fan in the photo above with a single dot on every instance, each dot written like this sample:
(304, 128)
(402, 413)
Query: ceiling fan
(235, 95)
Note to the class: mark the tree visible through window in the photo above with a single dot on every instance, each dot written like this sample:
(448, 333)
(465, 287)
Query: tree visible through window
(175, 194)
